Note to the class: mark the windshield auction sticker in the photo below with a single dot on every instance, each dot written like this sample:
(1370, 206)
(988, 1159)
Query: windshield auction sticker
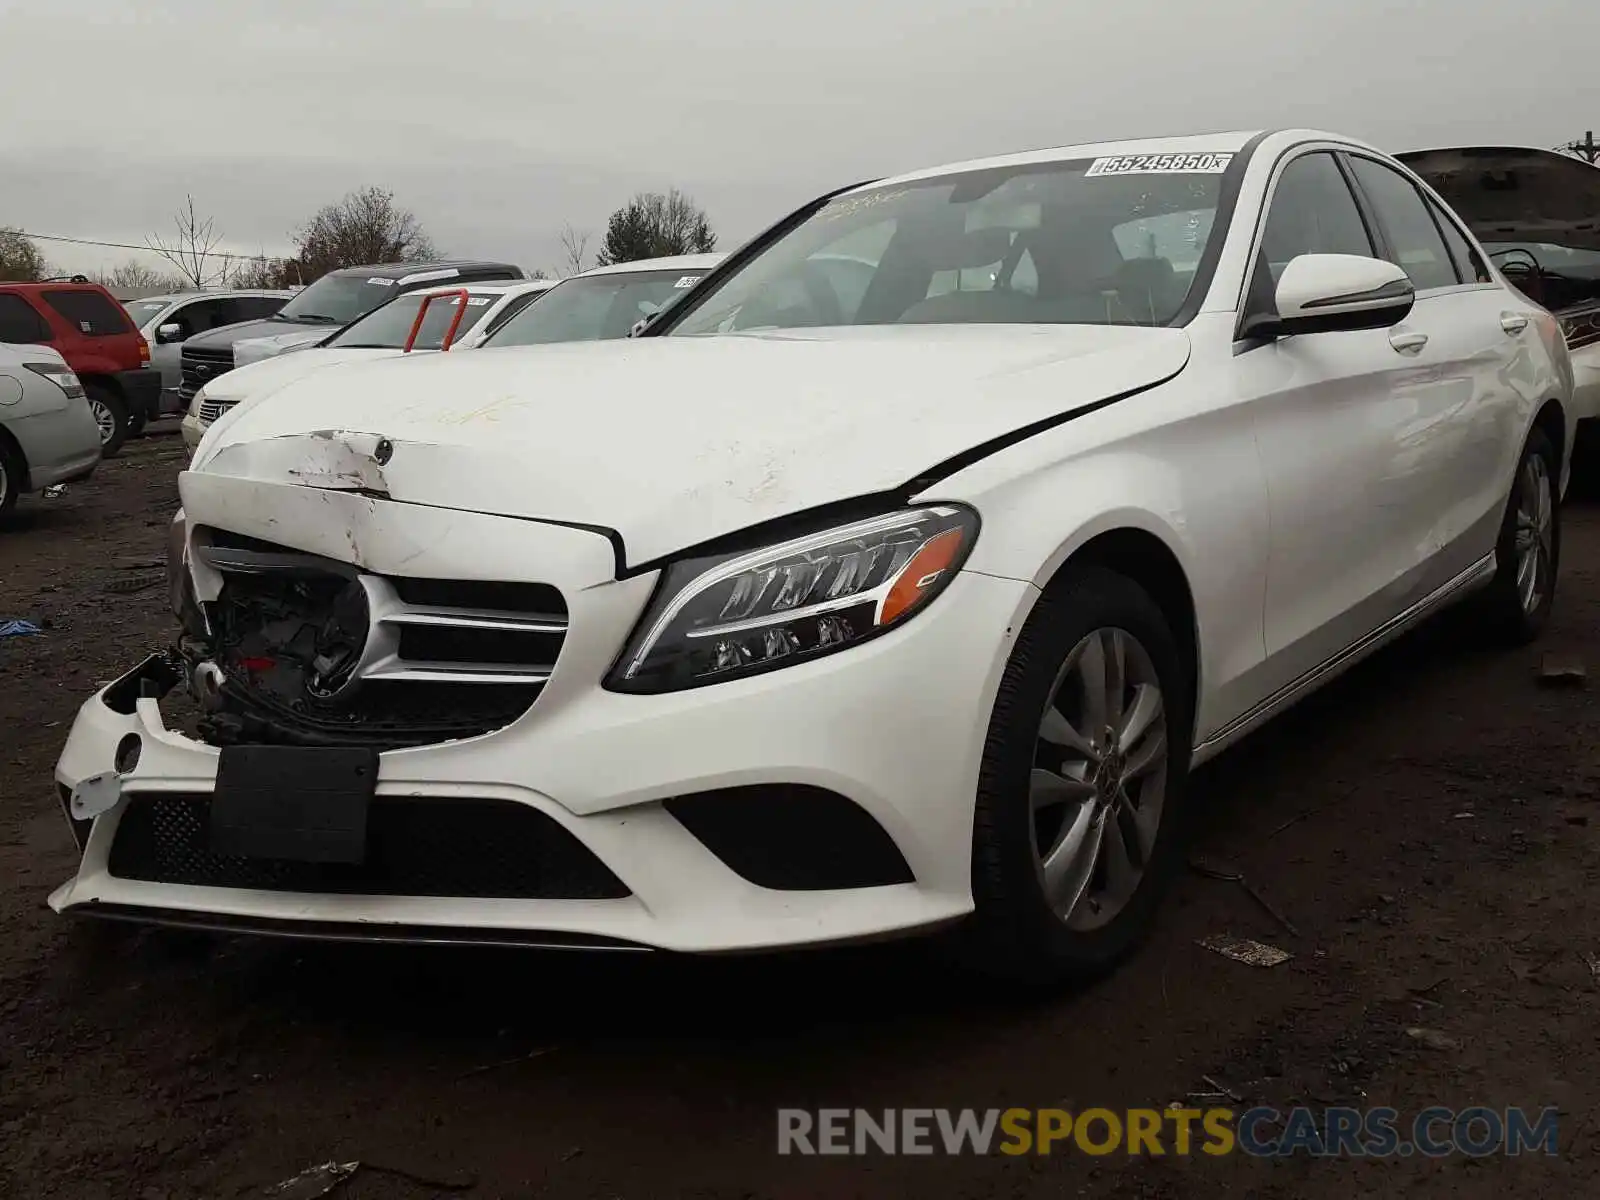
(1160, 164)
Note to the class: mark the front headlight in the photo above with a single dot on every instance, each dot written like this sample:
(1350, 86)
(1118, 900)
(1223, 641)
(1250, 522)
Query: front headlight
(730, 615)
(194, 405)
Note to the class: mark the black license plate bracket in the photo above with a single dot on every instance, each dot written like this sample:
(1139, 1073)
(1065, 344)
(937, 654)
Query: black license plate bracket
(293, 803)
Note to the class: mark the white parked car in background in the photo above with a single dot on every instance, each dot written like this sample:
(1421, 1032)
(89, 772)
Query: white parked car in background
(166, 322)
(807, 617)
(604, 302)
(48, 432)
(382, 333)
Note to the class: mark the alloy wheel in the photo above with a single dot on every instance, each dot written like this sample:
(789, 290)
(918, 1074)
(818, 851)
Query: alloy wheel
(1099, 778)
(104, 418)
(1535, 534)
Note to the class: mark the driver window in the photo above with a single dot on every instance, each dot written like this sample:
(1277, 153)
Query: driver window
(1312, 212)
(184, 318)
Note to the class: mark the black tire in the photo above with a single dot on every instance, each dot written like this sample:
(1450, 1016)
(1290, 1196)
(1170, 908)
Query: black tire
(1503, 615)
(12, 469)
(102, 396)
(1013, 932)
(136, 426)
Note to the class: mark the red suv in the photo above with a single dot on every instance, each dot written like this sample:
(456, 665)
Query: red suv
(92, 332)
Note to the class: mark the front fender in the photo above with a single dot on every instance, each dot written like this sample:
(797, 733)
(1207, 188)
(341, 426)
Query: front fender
(1195, 484)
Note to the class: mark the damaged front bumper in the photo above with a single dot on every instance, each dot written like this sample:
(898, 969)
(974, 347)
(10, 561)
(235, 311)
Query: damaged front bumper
(521, 827)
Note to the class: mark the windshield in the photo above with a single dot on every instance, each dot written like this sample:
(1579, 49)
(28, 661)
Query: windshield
(389, 326)
(337, 300)
(1096, 242)
(593, 307)
(143, 311)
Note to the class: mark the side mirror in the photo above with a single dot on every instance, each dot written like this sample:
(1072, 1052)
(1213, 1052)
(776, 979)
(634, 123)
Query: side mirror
(170, 332)
(1324, 293)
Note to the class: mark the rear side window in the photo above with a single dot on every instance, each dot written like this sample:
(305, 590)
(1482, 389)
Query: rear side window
(90, 313)
(1416, 246)
(1469, 264)
(19, 323)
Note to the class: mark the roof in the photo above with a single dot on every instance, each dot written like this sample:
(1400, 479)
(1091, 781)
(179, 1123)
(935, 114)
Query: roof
(208, 294)
(402, 270)
(675, 262)
(1490, 151)
(1199, 143)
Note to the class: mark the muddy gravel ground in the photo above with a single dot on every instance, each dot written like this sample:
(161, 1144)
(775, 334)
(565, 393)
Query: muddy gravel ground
(1429, 826)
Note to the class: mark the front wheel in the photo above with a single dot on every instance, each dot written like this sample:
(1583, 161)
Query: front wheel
(111, 415)
(1078, 822)
(1515, 607)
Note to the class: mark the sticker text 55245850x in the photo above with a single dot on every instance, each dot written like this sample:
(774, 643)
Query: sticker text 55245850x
(1160, 164)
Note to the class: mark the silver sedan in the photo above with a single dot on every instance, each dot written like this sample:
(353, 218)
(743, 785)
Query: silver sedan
(48, 433)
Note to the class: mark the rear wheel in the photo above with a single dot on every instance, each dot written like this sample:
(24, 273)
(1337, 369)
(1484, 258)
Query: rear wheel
(1515, 607)
(111, 415)
(1079, 814)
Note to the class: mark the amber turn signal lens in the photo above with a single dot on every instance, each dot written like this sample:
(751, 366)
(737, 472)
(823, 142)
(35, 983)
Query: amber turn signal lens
(931, 559)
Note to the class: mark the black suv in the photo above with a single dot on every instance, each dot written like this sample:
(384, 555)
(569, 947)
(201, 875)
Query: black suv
(332, 302)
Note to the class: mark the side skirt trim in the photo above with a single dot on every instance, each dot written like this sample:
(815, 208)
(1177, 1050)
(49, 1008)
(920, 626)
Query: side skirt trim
(1475, 576)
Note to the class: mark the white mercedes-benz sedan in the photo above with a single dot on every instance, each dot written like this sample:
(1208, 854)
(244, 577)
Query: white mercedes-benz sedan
(892, 581)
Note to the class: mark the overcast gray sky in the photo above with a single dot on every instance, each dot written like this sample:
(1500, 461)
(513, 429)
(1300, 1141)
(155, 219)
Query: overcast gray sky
(498, 120)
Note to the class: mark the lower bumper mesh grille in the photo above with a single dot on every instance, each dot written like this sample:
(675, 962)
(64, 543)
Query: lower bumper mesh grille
(472, 849)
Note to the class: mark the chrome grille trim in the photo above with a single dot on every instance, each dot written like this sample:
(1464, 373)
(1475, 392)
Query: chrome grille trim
(388, 615)
(413, 672)
(210, 410)
(478, 619)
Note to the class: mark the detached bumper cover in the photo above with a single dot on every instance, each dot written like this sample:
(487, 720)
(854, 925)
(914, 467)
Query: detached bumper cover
(892, 730)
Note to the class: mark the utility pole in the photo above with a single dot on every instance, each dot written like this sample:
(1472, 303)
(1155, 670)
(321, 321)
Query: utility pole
(1588, 149)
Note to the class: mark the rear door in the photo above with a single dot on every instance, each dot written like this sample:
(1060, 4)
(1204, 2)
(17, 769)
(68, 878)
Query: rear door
(1466, 336)
(1334, 417)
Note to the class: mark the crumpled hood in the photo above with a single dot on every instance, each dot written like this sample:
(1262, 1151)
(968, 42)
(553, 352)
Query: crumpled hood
(1512, 194)
(673, 441)
(252, 350)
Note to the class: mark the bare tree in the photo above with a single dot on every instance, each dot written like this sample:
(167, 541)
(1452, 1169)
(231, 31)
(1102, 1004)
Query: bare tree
(194, 252)
(655, 225)
(366, 227)
(263, 271)
(574, 249)
(132, 274)
(20, 258)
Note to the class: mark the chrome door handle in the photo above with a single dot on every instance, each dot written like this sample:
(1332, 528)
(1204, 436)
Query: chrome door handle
(1513, 323)
(1408, 343)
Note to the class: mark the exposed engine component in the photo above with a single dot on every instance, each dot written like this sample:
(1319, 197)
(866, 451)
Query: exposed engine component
(302, 650)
